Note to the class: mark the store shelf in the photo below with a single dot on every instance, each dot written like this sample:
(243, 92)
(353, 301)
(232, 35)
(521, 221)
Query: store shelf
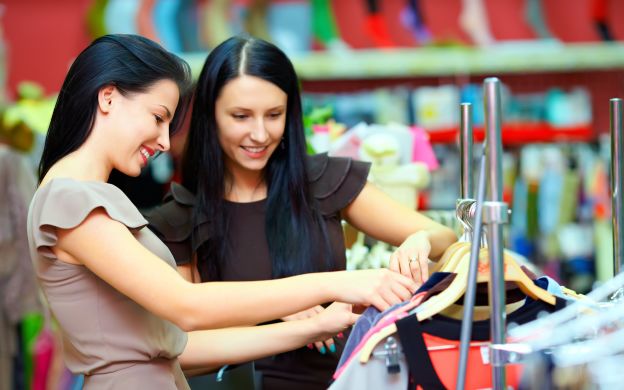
(509, 57)
(521, 133)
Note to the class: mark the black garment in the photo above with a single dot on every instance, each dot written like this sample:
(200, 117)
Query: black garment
(422, 371)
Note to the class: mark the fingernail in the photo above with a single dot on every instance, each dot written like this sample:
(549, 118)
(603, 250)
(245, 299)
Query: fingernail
(332, 348)
(310, 346)
(322, 351)
(340, 335)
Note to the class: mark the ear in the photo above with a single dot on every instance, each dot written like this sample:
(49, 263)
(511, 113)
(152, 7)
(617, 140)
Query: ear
(105, 98)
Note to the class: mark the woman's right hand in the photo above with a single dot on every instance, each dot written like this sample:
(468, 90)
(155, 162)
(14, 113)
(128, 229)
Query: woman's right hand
(332, 321)
(381, 288)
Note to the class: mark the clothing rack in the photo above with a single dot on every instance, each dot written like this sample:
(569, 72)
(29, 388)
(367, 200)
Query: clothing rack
(491, 213)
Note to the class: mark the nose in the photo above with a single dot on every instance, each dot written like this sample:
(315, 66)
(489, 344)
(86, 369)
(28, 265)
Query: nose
(259, 133)
(163, 140)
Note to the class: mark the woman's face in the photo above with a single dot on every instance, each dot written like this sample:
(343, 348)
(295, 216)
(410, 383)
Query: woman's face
(139, 123)
(251, 118)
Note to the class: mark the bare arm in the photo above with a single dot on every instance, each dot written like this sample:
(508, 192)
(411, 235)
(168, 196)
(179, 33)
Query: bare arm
(381, 217)
(211, 349)
(418, 237)
(121, 261)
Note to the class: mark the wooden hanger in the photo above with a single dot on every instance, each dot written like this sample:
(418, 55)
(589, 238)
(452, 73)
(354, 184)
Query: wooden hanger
(456, 258)
(457, 288)
(446, 256)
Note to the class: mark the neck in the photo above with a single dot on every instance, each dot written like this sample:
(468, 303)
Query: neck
(83, 164)
(247, 186)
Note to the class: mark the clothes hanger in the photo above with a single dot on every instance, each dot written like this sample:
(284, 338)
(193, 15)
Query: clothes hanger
(457, 288)
(446, 256)
(456, 258)
(457, 249)
(512, 273)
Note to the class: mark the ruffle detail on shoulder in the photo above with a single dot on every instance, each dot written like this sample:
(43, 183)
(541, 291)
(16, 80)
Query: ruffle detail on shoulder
(65, 203)
(172, 222)
(335, 181)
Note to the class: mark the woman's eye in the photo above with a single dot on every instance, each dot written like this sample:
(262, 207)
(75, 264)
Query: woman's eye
(239, 116)
(159, 119)
(275, 115)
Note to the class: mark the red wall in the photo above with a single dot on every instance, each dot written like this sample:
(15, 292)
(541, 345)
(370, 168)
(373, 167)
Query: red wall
(42, 38)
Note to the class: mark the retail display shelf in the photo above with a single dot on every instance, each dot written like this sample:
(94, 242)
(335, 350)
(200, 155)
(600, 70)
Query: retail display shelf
(521, 133)
(502, 58)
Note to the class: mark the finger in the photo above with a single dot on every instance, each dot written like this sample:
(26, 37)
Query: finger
(415, 267)
(391, 297)
(380, 303)
(424, 267)
(401, 292)
(404, 265)
(407, 282)
(320, 347)
(394, 262)
(331, 346)
(317, 309)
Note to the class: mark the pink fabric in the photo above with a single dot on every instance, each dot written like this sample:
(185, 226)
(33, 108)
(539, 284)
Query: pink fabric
(386, 320)
(44, 350)
(422, 150)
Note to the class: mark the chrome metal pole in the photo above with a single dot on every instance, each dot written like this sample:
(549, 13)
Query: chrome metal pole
(494, 152)
(471, 284)
(617, 183)
(465, 150)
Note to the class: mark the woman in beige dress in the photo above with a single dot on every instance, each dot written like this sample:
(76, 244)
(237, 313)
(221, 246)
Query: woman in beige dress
(110, 283)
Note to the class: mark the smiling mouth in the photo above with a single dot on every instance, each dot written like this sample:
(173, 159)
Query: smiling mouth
(255, 149)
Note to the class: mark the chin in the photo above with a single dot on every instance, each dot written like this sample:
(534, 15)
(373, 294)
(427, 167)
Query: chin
(256, 165)
(132, 172)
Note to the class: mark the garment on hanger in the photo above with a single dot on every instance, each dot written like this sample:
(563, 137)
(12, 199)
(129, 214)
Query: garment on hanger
(440, 337)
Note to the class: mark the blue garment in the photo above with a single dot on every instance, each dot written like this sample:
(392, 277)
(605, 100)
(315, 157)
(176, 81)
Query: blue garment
(371, 317)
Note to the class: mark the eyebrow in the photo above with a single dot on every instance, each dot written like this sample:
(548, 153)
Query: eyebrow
(280, 107)
(166, 109)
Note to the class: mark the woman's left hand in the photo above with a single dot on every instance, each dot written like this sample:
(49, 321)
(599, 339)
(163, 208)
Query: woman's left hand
(412, 257)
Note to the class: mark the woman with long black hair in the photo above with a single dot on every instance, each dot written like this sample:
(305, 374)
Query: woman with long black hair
(253, 205)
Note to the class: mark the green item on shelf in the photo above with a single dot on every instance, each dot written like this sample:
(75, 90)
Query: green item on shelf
(29, 90)
(31, 326)
(318, 116)
(324, 27)
(95, 18)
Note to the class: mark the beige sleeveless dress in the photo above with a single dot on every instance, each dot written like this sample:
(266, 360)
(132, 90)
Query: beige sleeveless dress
(109, 338)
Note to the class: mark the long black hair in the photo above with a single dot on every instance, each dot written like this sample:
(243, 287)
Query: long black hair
(129, 62)
(293, 223)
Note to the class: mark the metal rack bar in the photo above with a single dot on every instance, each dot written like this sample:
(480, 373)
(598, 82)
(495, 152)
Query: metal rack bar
(617, 183)
(493, 220)
(471, 287)
(465, 150)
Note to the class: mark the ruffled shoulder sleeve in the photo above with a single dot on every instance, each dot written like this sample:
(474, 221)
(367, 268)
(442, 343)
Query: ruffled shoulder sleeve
(335, 181)
(65, 203)
(172, 222)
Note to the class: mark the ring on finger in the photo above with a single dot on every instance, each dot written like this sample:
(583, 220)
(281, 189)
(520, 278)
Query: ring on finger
(413, 259)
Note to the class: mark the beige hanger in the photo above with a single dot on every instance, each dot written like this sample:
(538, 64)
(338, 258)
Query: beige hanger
(457, 288)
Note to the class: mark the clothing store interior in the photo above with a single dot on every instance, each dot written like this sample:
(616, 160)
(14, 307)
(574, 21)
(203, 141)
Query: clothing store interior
(499, 119)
